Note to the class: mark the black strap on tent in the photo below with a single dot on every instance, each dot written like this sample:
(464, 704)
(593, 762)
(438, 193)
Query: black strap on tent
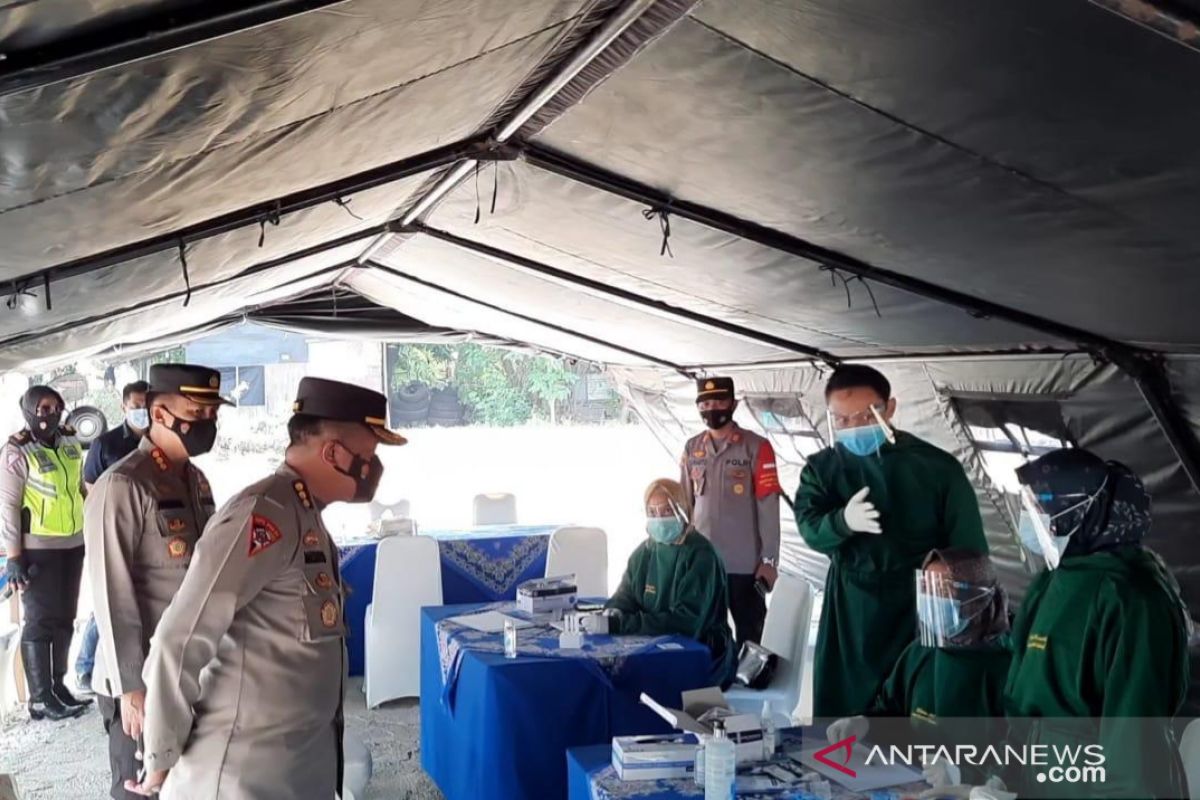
(187, 281)
(663, 213)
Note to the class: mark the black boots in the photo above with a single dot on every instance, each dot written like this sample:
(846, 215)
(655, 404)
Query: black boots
(59, 661)
(42, 702)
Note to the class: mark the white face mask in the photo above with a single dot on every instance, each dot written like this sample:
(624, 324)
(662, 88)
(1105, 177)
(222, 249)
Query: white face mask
(138, 418)
(1052, 545)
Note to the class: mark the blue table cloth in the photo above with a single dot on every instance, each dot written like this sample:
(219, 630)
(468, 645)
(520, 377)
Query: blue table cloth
(479, 565)
(494, 728)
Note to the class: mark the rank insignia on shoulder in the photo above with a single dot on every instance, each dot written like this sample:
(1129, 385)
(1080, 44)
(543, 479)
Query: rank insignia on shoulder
(311, 539)
(20, 438)
(263, 534)
(160, 459)
(177, 547)
(329, 614)
(302, 494)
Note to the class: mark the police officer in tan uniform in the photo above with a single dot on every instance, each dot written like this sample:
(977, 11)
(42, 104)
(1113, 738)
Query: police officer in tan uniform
(245, 674)
(730, 478)
(141, 523)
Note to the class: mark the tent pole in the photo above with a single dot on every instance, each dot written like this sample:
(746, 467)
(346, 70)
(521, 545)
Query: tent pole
(623, 295)
(1152, 381)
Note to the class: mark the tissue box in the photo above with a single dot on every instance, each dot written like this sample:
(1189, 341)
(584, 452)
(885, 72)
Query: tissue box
(649, 758)
(701, 708)
(547, 595)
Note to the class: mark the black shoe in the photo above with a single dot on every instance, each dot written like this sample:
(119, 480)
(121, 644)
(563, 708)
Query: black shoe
(42, 702)
(59, 662)
(64, 696)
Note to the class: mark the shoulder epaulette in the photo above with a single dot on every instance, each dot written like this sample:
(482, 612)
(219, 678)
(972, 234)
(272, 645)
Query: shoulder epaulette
(20, 438)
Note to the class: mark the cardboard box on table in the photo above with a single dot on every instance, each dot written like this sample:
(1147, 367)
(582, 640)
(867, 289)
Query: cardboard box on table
(700, 709)
(649, 758)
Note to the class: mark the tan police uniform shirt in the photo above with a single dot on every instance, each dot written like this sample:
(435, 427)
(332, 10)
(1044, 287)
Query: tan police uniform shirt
(733, 486)
(141, 523)
(245, 674)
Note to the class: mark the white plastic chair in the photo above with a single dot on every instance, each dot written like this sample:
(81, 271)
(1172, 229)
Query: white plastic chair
(358, 766)
(582, 552)
(1189, 753)
(495, 509)
(408, 575)
(785, 634)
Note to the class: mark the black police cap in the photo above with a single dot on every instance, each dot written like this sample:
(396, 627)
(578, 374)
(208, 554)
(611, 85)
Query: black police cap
(345, 402)
(196, 383)
(714, 389)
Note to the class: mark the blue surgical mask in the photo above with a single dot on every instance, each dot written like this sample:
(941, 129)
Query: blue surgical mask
(138, 418)
(942, 615)
(664, 530)
(862, 441)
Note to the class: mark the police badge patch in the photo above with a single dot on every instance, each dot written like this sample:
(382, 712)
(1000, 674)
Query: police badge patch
(329, 614)
(263, 534)
(177, 547)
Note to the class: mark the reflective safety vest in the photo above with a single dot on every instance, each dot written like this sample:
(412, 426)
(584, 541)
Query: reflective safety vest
(52, 488)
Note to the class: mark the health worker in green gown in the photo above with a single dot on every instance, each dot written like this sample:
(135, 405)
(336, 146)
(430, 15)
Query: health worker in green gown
(675, 582)
(947, 689)
(876, 503)
(1100, 643)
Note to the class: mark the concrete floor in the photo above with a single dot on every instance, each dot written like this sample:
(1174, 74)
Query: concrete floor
(69, 760)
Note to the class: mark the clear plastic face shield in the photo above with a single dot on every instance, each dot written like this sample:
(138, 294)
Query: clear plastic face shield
(946, 607)
(665, 521)
(863, 433)
(1037, 529)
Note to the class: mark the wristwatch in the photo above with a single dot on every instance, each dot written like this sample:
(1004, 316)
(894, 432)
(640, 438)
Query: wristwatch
(770, 562)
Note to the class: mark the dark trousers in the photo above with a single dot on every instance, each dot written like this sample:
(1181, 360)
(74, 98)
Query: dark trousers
(121, 748)
(749, 610)
(52, 596)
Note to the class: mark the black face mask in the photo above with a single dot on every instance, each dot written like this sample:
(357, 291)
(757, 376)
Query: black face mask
(365, 474)
(44, 429)
(716, 417)
(197, 435)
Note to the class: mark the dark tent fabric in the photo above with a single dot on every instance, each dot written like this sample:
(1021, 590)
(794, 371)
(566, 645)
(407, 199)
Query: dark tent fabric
(991, 201)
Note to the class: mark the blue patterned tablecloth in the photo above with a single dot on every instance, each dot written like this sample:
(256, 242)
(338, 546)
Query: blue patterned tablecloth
(512, 720)
(479, 565)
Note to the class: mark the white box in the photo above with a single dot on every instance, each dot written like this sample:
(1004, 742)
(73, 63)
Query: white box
(552, 596)
(701, 707)
(649, 758)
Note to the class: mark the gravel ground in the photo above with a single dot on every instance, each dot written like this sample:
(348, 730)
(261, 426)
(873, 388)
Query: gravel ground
(69, 760)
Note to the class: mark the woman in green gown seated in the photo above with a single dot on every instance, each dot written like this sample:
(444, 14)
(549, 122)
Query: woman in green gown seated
(675, 582)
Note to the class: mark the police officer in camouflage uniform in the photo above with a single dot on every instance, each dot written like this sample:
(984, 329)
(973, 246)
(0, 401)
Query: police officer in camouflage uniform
(41, 524)
(143, 518)
(730, 478)
(246, 671)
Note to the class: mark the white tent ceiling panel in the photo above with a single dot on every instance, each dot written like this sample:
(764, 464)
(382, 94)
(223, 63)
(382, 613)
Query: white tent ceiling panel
(588, 232)
(113, 288)
(162, 319)
(713, 122)
(436, 307)
(548, 300)
(133, 185)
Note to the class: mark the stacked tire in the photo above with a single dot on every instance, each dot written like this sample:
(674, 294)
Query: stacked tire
(410, 406)
(445, 409)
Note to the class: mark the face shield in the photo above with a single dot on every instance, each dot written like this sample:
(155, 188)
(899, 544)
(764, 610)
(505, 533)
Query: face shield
(863, 433)
(1038, 530)
(946, 607)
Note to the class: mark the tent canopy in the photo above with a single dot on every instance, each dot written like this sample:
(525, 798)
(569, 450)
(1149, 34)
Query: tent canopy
(993, 197)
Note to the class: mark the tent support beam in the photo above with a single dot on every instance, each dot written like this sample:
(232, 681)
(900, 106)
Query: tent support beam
(333, 191)
(128, 43)
(524, 318)
(1143, 367)
(1160, 16)
(624, 296)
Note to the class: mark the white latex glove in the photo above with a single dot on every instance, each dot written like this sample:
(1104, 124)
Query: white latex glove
(994, 789)
(860, 513)
(594, 623)
(846, 727)
(941, 773)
